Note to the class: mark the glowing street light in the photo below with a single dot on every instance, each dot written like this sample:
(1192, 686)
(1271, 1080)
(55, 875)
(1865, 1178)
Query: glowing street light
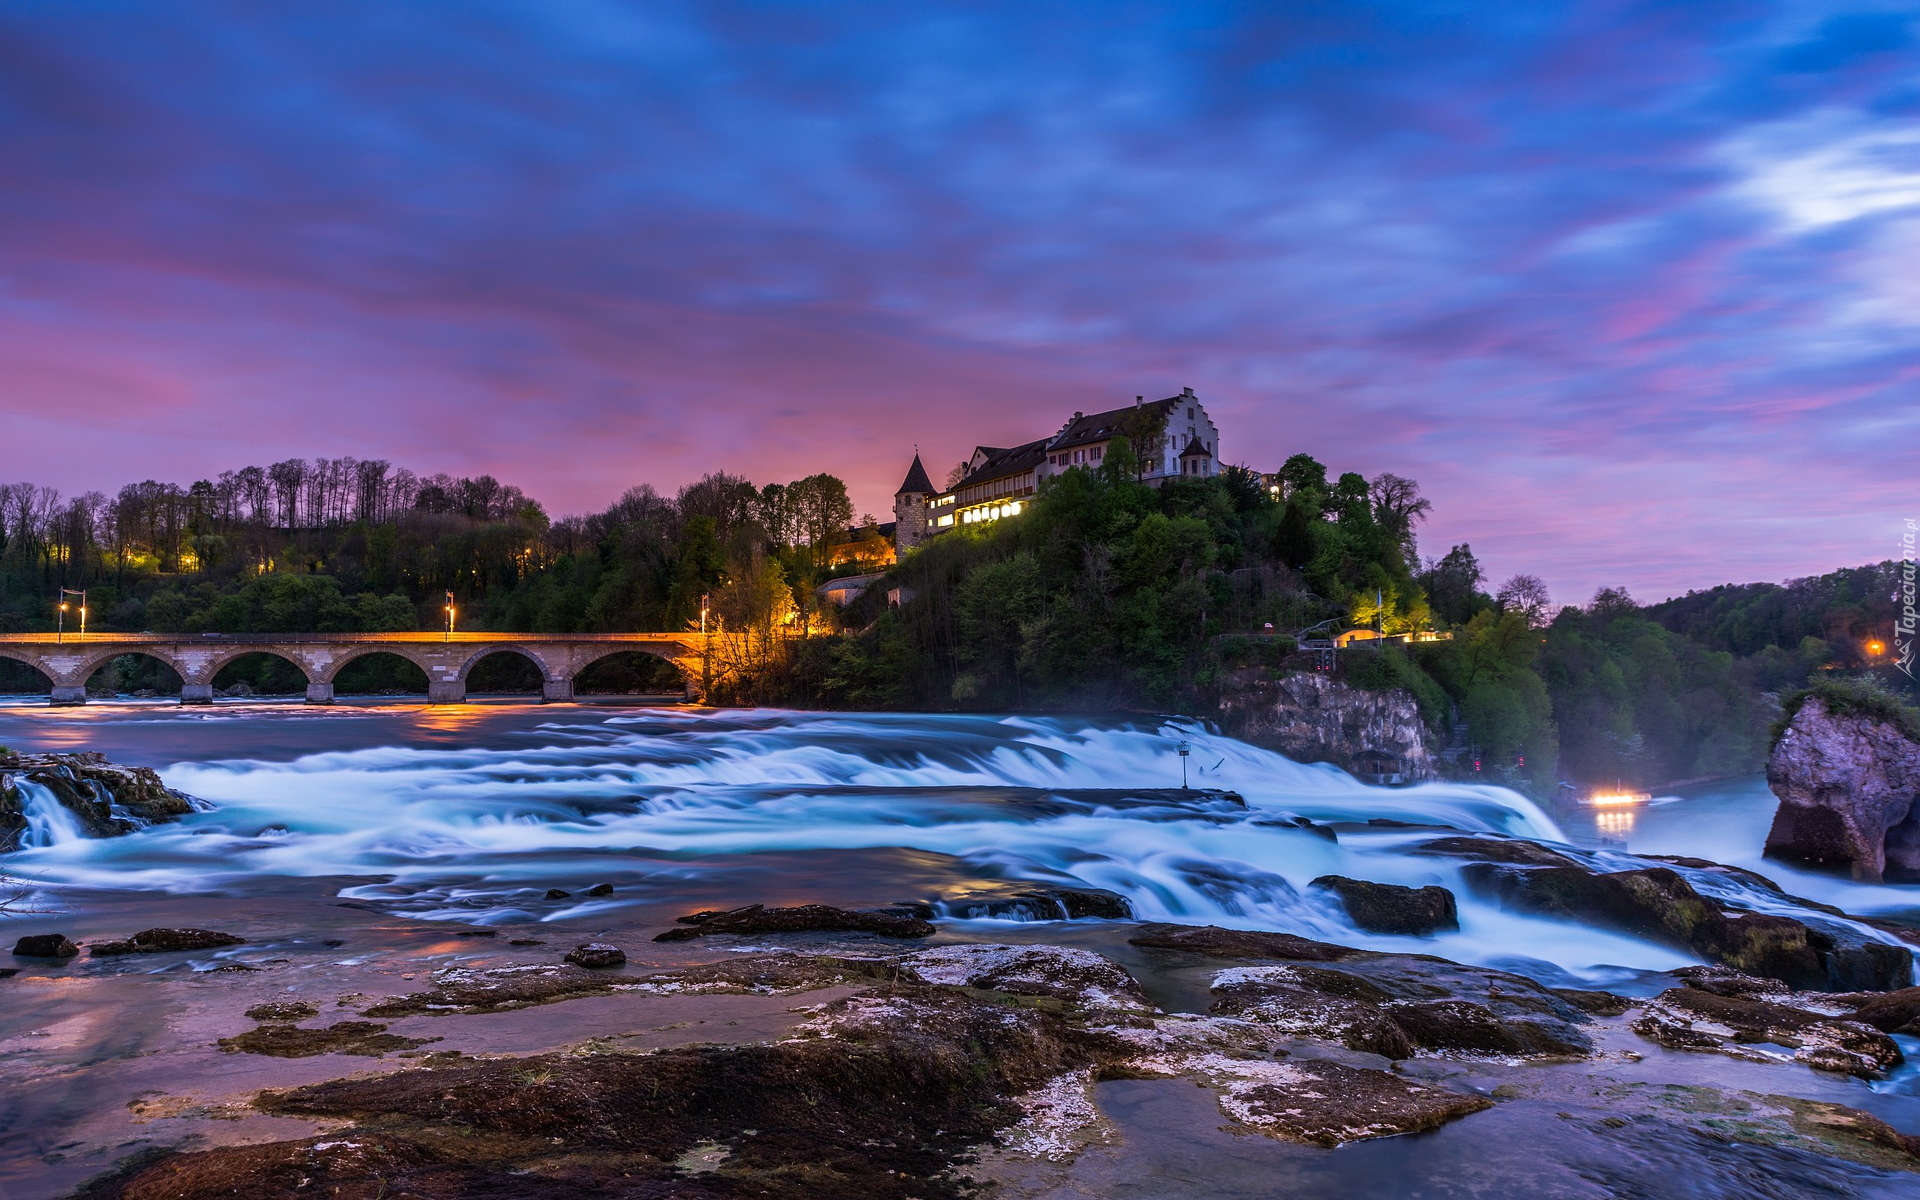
(449, 615)
(60, 625)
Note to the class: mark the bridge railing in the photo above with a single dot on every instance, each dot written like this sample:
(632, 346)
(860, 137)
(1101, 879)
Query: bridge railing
(234, 639)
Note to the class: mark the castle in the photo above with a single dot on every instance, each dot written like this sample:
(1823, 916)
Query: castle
(1170, 438)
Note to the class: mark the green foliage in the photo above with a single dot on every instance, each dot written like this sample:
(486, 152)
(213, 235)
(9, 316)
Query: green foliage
(1851, 698)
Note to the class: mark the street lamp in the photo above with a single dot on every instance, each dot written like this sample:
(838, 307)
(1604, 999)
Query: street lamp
(60, 626)
(449, 615)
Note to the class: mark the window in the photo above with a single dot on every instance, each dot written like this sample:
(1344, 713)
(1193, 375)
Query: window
(1189, 412)
(1098, 451)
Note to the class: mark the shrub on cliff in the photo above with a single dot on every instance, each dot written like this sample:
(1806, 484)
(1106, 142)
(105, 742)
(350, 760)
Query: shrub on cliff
(1851, 698)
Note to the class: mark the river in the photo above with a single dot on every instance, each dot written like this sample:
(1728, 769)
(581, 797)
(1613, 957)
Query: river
(483, 815)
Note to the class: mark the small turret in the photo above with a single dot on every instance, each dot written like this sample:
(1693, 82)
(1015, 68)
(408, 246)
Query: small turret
(910, 507)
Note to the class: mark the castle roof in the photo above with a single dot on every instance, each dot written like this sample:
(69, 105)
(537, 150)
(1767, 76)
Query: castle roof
(1196, 449)
(1105, 426)
(1000, 463)
(916, 480)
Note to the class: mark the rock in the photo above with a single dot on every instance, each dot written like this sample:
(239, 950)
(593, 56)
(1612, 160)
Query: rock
(497, 989)
(1080, 977)
(1847, 780)
(1693, 1018)
(45, 945)
(1495, 850)
(107, 799)
(1390, 908)
(597, 955)
(600, 889)
(1657, 903)
(805, 918)
(1310, 716)
(1328, 1104)
(282, 1010)
(1041, 904)
(161, 941)
(1892, 1012)
(368, 1038)
(1216, 942)
(558, 894)
(1395, 1004)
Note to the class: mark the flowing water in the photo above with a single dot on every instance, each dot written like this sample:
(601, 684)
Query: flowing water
(475, 818)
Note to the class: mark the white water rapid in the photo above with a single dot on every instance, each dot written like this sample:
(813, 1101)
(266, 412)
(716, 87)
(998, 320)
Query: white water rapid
(49, 822)
(653, 800)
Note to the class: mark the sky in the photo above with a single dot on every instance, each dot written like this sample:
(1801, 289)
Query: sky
(1632, 290)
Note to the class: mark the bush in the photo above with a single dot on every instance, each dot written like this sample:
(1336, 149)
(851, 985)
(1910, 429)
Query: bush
(1851, 698)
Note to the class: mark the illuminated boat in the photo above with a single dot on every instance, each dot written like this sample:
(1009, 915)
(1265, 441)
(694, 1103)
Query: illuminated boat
(1615, 798)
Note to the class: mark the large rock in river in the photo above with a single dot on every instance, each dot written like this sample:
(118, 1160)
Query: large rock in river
(106, 799)
(1848, 778)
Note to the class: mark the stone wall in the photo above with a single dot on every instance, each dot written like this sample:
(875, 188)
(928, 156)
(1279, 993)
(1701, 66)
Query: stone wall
(1311, 716)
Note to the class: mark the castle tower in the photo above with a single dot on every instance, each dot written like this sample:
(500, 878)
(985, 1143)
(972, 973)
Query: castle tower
(910, 508)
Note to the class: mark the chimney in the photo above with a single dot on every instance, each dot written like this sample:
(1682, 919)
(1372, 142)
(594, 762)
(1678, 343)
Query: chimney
(1186, 391)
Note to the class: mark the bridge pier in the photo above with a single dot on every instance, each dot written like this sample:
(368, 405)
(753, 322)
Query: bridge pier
(196, 693)
(68, 695)
(556, 691)
(319, 693)
(446, 691)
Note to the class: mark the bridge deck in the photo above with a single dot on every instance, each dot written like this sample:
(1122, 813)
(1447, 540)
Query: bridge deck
(232, 639)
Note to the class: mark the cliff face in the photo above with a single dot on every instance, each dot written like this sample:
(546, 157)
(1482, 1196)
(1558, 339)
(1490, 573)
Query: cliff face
(1313, 717)
(1848, 786)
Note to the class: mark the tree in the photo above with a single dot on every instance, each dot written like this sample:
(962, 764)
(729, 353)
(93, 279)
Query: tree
(1397, 504)
(1452, 584)
(1610, 604)
(1303, 472)
(1527, 595)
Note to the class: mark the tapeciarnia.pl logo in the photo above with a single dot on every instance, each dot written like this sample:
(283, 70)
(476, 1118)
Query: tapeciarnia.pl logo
(1903, 627)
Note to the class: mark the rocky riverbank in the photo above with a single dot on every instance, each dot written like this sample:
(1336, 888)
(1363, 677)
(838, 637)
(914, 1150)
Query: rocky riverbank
(1846, 766)
(803, 1052)
(1310, 716)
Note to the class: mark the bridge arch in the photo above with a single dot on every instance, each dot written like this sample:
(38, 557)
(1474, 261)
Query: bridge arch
(348, 675)
(398, 649)
(544, 678)
(672, 674)
(211, 671)
(180, 673)
(29, 663)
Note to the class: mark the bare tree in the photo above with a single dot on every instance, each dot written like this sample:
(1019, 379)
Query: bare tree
(1526, 595)
(1397, 504)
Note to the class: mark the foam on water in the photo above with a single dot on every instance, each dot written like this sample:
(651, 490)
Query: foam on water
(470, 834)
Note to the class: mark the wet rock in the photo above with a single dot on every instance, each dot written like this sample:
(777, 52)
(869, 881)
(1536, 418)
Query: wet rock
(367, 1038)
(1397, 1005)
(1599, 1004)
(1657, 903)
(882, 1097)
(558, 894)
(1847, 779)
(1390, 908)
(600, 889)
(1290, 821)
(1041, 904)
(161, 941)
(597, 955)
(45, 945)
(1081, 978)
(1693, 1018)
(1239, 943)
(805, 918)
(282, 1010)
(497, 989)
(1328, 1104)
(1495, 850)
(1893, 1012)
(107, 799)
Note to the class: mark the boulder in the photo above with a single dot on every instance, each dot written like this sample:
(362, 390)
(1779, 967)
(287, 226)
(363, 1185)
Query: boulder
(1697, 1018)
(597, 955)
(45, 945)
(1041, 904)
(1391, 908)
(1847, 779)
(804, 918)
(107, 799)
(161, 941)
(1216, 942)
(1658, 904)
(1495, 850)
(1891, 1012)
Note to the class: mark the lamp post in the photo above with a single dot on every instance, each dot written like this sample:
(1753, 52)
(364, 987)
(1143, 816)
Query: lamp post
(449, 636)
(60, 626)
(1186, 748)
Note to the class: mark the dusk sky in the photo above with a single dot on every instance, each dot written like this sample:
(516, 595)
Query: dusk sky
(1632, 290)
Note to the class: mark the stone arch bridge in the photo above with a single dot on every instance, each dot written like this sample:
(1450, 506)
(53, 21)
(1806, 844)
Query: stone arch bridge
(71, 660)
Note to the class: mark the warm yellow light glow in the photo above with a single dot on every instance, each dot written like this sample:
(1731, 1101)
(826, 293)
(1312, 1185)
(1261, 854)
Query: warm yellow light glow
(1617, 799)
(1616, 823)
(1874, 647)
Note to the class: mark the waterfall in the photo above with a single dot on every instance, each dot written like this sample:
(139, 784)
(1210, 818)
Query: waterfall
(49, 822)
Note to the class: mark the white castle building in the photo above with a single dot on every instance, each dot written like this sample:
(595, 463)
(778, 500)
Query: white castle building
(1172, 438)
